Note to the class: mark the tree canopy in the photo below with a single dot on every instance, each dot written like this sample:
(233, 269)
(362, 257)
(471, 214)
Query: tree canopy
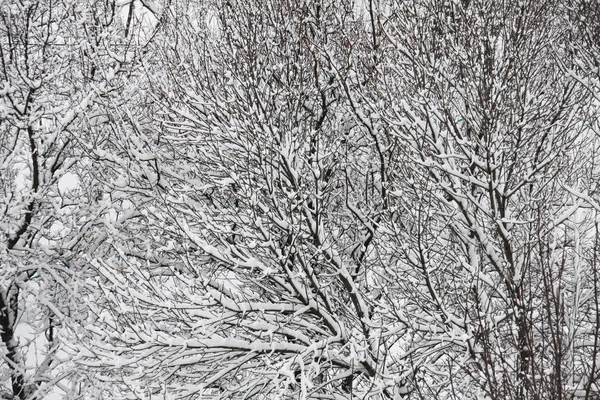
(379, 199)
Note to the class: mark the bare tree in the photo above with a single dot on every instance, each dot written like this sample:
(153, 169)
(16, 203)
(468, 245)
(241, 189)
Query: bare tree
(60, 63)
(380, 200)
(266, 206)
(497, 248)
